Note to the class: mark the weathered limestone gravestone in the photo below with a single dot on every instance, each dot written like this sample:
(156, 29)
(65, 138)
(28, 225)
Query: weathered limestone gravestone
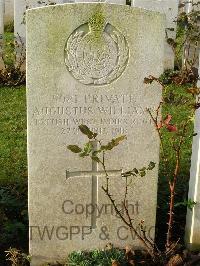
(191, 52)
(181, 6)
(9, 11)
(192, 236)
(20, 7)
(85, 66)
(119, 2)
(170, 9)
(188, 6)
(2, 8)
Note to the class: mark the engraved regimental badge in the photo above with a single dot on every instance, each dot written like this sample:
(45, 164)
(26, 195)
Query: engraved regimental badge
(96, 53)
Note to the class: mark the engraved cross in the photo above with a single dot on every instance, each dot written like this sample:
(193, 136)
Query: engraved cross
(94, 174)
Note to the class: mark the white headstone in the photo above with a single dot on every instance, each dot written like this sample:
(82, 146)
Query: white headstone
(188, 6)
(9, 11)
(192, 236)
(191, 53)
(181, 6)
(87, 66)
(170, 9)
(20, 7)
(191, 5)
(119, 2)
(2, 8)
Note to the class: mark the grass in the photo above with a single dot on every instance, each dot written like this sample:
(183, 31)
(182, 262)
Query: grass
(9, 27)
(97, 257)
(13, 170)
(179, 106)
(13, 159)
(9, 48)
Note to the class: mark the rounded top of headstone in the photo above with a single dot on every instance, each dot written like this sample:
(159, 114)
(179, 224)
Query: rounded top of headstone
(96, 53)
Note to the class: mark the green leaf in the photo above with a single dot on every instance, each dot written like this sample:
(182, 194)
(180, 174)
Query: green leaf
(94, 153)
(142, 173)
(83, 154)
(119, 139)
(86, 131)
(113, 143)
(148, 80)
(88, 147)
(74, 148)
(95, 135)
(105, 147)
(135, 170)
(186, 203)
(96, 159)
(129, 173)
(151, 166)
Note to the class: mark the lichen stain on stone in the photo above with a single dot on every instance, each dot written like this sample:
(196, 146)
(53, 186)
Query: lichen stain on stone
(97, 23)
